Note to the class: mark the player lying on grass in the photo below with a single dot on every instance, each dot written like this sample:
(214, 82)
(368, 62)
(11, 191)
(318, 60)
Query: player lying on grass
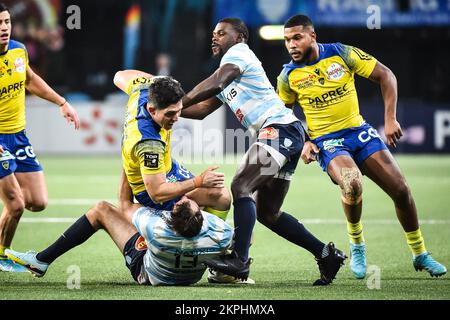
(320, 79)
(160, 247)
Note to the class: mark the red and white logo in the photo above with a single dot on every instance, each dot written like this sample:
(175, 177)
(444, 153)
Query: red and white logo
(240, 115)
(335, 71)
(19, 65)
(268, 134)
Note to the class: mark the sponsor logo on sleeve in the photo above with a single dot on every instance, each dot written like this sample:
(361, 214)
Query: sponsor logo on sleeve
(151, 160)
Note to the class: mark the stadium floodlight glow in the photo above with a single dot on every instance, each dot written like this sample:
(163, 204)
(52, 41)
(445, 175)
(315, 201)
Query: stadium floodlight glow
(272, 32)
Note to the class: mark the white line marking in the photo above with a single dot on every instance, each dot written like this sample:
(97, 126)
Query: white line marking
(304, 221)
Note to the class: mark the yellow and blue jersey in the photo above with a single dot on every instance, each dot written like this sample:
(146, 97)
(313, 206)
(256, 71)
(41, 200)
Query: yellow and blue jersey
(13, 75)
(145, 145)
(325, 89)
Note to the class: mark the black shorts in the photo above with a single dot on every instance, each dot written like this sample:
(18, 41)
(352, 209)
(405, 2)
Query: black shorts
(134, 252)
(287, 139)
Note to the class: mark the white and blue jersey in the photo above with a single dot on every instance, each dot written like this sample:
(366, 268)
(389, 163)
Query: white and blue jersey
(175, 260)
(251, 96)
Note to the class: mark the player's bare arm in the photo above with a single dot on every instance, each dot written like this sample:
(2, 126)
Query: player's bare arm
(213, 85)
(388, 83)
(37, 86)
(161, 191)
(202, 109)
(122, 78)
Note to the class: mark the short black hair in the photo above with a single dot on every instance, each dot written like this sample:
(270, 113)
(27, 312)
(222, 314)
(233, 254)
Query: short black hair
(3, 7)
(238, 25)
(164, 91)
(299, 20)
(185, 222)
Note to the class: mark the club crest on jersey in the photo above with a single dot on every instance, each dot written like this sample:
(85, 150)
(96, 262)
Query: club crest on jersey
(5, 165)
(268, 134)
(140, 244)
(335, 71)
(19, 65)
(330, 145)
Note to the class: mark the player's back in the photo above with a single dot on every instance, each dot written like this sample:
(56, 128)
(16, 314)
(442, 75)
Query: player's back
(175, 260)
(251, 96)
(13, 67)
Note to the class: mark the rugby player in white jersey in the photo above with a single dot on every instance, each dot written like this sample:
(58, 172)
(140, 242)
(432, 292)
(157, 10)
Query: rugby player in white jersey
(160, 247)
(262, 181)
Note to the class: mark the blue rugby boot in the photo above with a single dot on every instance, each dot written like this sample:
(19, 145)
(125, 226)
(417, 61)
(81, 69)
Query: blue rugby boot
(426, 262)
(7, 265)
(29, 261)
(358, 260)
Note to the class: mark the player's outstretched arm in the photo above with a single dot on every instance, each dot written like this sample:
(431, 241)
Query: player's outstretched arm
(122, 78)
(161, 191)
(388, 83)
(213, 85)
(202, 109)
(37, 86)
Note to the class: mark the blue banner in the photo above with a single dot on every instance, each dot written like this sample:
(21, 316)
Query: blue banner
(384, 13)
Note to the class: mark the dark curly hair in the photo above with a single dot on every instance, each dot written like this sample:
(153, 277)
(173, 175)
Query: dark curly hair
(164, 91)
(238, 25)
(3, 7)
(185, 221)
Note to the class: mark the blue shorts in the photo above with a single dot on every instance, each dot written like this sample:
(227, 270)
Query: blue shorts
(287, 139)
(358, 143)
(176, 174)
(18, 155)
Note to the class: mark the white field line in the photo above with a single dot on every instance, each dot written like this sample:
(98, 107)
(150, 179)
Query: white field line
(304, 221)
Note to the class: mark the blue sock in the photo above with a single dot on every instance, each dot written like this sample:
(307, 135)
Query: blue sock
(292, 230)
(244, 221)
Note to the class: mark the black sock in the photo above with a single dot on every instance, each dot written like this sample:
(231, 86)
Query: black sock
(77, 233)
(292, 230)
(244, 221)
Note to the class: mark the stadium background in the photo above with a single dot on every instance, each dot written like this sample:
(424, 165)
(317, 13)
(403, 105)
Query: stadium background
(82, 167)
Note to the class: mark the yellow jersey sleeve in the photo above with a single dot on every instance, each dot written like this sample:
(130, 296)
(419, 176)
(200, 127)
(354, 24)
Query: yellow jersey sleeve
(151, 156)
(137, 84)
(358, 61)
(284, 90)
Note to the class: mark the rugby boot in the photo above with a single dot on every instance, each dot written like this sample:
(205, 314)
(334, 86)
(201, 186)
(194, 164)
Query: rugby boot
(330, 265)
(29, 261)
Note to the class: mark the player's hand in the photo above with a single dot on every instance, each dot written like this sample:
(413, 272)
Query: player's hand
(393, 132)
(309, 152)
(69, 113)
(213, 179)
(1, 149)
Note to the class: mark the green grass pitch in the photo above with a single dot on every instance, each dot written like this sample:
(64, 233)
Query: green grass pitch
(280, 269)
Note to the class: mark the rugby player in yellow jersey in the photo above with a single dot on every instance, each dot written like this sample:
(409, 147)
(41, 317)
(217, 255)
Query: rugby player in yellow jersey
(320, 79)
(22, 183)
(157, 180)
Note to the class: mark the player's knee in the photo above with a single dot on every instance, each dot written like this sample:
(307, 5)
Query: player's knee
(37, 206)
(401, 193)
(266, 219)
(352, 188)
(239, 188)
(221, 197)
(102, 209)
